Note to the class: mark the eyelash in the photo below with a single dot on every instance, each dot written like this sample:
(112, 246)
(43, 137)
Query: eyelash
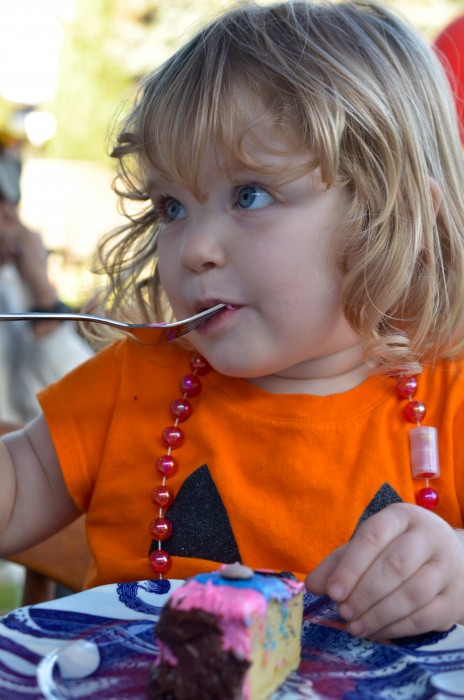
(159, 206)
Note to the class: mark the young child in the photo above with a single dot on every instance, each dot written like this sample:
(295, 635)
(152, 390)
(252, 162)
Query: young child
(301, 164)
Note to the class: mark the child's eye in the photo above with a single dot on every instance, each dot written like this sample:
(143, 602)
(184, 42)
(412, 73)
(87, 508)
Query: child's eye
(170, 209)
(253, 197)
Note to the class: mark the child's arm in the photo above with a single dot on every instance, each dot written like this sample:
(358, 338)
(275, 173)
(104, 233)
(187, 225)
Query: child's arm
(401, 574)
(34, 501)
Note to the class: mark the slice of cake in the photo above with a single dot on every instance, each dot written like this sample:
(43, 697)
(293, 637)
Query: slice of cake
(233, 634)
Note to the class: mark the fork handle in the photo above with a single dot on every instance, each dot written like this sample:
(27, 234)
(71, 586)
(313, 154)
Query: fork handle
(58, 308)
(52, 316)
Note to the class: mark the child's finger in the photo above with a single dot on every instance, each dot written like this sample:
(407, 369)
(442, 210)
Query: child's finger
(426, 584)
(436, 614)
(316, 580)
(396, 565)
(361, 552)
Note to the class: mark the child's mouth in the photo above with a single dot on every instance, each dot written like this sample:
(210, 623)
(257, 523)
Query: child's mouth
(219, 318)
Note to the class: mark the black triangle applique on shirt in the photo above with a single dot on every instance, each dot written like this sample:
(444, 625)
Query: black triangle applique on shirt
(200, 525)
(385, 496)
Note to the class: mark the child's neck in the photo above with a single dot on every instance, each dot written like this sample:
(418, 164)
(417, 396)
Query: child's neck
(318, 377)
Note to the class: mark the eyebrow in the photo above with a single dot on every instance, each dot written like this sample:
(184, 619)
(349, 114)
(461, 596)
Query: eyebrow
(157, 180)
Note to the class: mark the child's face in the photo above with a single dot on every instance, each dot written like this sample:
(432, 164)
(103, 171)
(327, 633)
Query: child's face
(269, 251)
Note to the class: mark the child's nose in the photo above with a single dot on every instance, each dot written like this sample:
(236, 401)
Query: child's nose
(203, 249)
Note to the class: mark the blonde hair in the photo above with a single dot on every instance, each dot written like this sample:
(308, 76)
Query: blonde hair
(367, 98)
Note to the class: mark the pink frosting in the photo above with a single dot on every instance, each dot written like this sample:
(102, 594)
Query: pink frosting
(234, 607)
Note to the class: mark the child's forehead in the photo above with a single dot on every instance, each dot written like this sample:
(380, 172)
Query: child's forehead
(270, 153)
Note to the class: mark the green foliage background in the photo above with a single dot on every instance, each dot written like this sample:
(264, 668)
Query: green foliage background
(91, 82)
(109, 44)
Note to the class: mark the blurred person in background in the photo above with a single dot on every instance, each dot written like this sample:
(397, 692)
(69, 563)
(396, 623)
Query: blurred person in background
(32, 354)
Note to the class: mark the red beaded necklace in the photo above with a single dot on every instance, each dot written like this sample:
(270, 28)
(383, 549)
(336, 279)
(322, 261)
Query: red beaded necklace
(422, 441)
(423, 444)
(162, 496)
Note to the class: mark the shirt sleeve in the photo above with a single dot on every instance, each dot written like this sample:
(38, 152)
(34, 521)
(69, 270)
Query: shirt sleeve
(78, 410)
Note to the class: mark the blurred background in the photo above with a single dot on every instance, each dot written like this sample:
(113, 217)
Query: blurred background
(65, 66)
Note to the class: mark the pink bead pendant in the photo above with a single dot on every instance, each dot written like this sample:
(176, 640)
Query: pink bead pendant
(423, 444)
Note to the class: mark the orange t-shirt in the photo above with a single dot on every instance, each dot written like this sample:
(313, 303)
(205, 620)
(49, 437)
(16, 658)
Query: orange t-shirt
(276, 481)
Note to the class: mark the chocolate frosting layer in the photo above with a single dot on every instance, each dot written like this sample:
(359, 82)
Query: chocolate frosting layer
(205, 671)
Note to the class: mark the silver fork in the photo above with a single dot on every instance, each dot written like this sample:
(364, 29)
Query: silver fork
(142, 331)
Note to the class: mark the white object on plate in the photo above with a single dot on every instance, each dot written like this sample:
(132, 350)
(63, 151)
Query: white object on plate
(76, 660)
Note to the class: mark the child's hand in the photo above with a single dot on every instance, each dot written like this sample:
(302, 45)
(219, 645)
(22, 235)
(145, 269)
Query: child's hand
(401, 574)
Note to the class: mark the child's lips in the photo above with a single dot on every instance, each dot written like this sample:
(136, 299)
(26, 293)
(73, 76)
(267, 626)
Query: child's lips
(204, 306)
(220, 319)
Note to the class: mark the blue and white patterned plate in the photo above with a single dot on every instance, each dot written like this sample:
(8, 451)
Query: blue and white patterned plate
(99, 645)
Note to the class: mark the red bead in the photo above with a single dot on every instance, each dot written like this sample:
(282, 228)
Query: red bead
(166, 465)
(162, 496)
(159, 561)
(406, 387)
(173, 436)
(199, 364)
(160, 529)
(414, 411)
(181, 409)
(427, 498)
(190, 385)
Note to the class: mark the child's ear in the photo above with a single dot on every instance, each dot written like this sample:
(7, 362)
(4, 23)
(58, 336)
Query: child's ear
(435, 191)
